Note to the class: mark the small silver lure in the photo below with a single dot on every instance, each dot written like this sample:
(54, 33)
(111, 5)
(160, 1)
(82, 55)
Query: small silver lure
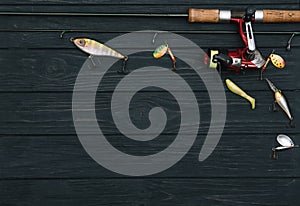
(285, 143)
(280, 100)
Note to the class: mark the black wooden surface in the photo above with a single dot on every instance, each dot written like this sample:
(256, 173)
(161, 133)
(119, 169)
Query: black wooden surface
(42, 161)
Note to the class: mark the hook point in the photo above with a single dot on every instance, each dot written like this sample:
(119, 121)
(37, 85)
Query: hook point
(153, 40)
(62, 34)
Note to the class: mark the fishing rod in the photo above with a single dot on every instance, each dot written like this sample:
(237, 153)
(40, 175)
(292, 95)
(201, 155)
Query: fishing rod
(194, 15)
(190, 16)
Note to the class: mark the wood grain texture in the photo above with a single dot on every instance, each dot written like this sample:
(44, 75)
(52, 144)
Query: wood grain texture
(42, 70)
(39, 113)
(63, 157)
(17, 23)
(147, 192)
(42, 161)
(39, 39)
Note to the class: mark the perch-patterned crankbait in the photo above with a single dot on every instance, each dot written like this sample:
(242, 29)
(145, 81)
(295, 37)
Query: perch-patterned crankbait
(162, 50)
(285, 143)
(95, 48)
(235, 89)
(280, 100)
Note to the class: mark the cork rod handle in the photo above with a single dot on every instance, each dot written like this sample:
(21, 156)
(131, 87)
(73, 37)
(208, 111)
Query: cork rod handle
(268, 16)
(204, 15)
(273, 16)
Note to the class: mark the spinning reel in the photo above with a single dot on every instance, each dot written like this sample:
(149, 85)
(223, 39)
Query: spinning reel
(248, 57)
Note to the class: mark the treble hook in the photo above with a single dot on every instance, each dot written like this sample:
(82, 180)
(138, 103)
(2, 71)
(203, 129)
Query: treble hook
(274, 154)
(124, 70)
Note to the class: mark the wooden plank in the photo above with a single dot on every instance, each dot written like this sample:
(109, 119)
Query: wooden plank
(15, 23)
(41, 159)
(146, 192)
(40, 39)
(51, 113)
(236, 155)
(46, 70)
(136, 2)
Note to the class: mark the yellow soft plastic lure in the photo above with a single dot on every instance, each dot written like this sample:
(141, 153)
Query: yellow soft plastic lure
(235, 89)
(95, 48)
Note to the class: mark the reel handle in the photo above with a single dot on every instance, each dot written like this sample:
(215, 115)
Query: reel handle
(265, 16)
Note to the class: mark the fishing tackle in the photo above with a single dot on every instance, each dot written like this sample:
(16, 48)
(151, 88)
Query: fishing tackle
(62, 34)
(94, 48)
(285, 143)
(280, 100)
(162, 50)
(248, 57)
(237, 90)
(276, 60)
(288, 46)
(154, 37)
(172, 57)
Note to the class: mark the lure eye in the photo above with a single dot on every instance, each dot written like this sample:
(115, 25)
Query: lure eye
(81, 42)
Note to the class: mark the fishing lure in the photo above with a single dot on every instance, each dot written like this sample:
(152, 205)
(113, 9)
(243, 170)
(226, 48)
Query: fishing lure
(285, 143)
(276, 60)
(94, 48)
(162, 50)
(237, 90)
(280, 100)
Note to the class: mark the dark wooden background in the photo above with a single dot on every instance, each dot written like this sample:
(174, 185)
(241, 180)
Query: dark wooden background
(41, 159)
